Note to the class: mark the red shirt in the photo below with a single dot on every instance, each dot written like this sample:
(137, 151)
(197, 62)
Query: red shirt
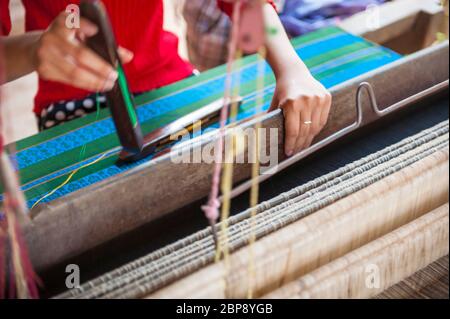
(138, 26)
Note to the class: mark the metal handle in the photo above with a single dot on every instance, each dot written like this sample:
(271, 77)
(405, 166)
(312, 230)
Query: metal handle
(413, 98)
(345, 131)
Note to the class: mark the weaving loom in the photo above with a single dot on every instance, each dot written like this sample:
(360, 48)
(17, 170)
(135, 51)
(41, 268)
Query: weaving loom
(300, 204)
(342, 57)
(419, 151)
(46, 160)
(289, 244)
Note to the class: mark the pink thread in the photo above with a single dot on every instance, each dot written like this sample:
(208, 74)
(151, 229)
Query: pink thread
(3, 239)
(2, 266)
(32, 280)
(212, 208)
(12, 204)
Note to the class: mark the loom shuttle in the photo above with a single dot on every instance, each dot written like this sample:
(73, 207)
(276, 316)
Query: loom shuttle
(135, 145)
(119, 99)
(163, 137)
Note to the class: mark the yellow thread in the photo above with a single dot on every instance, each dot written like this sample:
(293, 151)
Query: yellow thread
(20, 277)
(254, 193)
(82, 154)
(227, 175)
(227, 180)
(226, 190)
(235, 93)
(68, 179)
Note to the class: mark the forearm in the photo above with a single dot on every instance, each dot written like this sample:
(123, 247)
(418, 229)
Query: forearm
(280, 53)
(20, 54)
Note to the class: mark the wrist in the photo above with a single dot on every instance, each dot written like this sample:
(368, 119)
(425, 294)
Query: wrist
(292, 68)
(34, 43)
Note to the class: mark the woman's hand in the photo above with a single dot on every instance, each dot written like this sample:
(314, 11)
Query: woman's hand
(306, 105)
(305, 102)
(62, 56)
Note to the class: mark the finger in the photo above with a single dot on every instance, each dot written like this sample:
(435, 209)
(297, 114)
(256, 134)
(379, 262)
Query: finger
(315, 127)
(316, 119)
(69, 44)
(303, 135)
(275, 104)
(82, 78)
(64, 70)
(88, 28)
(326, 111)
(309, 141)
(61, 28)
(305, 127)
(125, 55)
(292, 126)
(87, 59)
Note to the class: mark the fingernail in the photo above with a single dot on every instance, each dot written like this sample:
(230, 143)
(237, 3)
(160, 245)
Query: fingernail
(113, 76)
(108, 85)
(289, 153)
(89, 28)
(129, 53)
(93, 29)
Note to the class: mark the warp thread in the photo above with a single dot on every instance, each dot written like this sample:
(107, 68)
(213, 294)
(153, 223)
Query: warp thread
(14, 259)
(254, 191)
(162, 267)
(212, 208)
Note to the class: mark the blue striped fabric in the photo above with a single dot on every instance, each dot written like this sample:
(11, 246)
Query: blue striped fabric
(332, 55)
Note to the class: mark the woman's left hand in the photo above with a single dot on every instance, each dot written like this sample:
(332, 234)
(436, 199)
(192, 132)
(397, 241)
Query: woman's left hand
(306, 105)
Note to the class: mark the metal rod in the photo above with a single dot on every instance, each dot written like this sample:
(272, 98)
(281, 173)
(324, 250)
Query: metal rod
(411, 99)
(345, 131)
(166, 134)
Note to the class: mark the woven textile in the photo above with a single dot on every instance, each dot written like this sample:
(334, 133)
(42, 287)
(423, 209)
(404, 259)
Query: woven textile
(429, 283)
(47, 159)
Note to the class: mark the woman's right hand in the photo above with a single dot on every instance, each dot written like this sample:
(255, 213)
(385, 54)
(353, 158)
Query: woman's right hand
(62, 56)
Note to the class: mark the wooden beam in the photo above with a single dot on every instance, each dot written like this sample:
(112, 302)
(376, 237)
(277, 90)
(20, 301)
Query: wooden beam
(405, 26)
(387, 261)
(320, 238)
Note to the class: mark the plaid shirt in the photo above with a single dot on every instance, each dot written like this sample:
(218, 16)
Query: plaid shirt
(208, 30)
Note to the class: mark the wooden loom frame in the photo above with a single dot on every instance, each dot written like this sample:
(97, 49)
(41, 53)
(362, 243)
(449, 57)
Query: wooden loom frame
(395, 255)
(87, 218)
(315, 241)
(405, 26)
(295, 243)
